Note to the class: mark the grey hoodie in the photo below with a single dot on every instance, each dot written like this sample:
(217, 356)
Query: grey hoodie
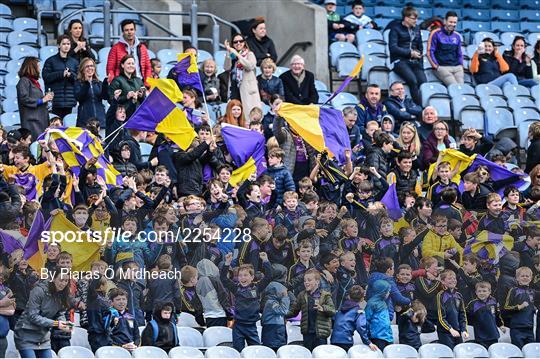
(277, 304)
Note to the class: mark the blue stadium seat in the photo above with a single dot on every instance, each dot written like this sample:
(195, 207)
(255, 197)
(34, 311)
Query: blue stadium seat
(389, 12)
(376, 71)
(11, 79)
(369, 35)
(472, 117)
(477, 4)
(441, 12)
(320, 86)
(14, 65)
(165, 68)
(454, 4)
(5, 11)
(531, 350)
(474, 26)
(530, 15)
(44, 5)
(22, 38)
(20, 51)
(481, 35)
(515, 90)
(101, 70)
(523, 130)
(219, 57)
(343, 99)
(530, 26)
(505, 15)
(519, 102)
(146, 148)
(400, 351)
(323, 96)
(383, 22)
(456, 90)
(10, 91)
(4, 53)
(10, 119)
(6, 25)
(493, 102)
(93, 3)
(203, 56)
(533, 38)
(103, 54)
(372, 48)
(505, 4)
(463, 101)
(25, 24)
(535, 92)
(10, 104)
(526, 114)
(419, 3)
(500, 121)
(149, 352)
(3, 69)
(70, 120)
(167, 56)
(435, 350)
(91, 16)
(424, 13)
(47, 51)
(435, 94)
(346, 64)
(470, 50)
(112, 352)
(529, 4)
(504, 350)
(486, 90)
(508, 37)
(338, 49)
(476, 14)
(504, 26)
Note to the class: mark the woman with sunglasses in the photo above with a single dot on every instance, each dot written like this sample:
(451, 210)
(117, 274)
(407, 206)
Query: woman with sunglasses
(89, 92)
(243, 82)
(437, 141)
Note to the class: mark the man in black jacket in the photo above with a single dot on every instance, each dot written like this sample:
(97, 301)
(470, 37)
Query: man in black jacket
(400, 106)
(299, 84)
(10, 203)
(405, 44)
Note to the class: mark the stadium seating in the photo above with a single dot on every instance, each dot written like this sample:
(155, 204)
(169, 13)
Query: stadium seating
(435, 350)
(75, 352)
(470, 350)
(504, 350)
(185, 352)
(329, 351)
(221, 352)
(293, 351)
(363, 351)
(500, 123)
(189, 336)
(149, 352)
(400, 351)
(216, 335)
(531, 350)
(112, 352)
(257, 351)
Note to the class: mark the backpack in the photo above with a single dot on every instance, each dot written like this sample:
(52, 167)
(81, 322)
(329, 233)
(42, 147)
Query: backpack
(155, 332)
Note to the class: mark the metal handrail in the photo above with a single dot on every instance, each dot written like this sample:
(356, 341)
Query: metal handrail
(302, 44)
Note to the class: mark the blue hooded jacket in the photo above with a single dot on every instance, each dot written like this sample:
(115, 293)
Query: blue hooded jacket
(347, 320)
(377, 312)
(276, 307)
(395, 296)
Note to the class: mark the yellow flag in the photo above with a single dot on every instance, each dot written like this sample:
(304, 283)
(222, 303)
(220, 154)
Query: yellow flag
(177, 127)
(168, 87)
(242, 173)
(453, 157)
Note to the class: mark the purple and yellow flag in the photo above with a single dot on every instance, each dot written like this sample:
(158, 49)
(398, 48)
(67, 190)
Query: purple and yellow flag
(497, 173)
(322, 127)
(187, 72)
(348, 79)
(32, 248)
(489, 246)
(246, 148)
(77, 146)
(390, 200)
(168, 87)
(159, 114)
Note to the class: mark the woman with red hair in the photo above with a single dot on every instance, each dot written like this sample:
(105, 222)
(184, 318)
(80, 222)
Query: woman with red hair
(234, 114)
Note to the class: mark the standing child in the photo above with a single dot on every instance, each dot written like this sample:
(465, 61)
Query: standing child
(427, 287)
(7, 306)
(380, 330)
(350, 318)
(190, 302)
(97, 305)
(317, 311)
(452, 323)
(276, 307)
(410, 324)
(124, 329)
(296, 272)
(485, 316)
(281, 175)
(247, 295)
(155, 63)
(161, 331)
(520, 303)
(468, 276)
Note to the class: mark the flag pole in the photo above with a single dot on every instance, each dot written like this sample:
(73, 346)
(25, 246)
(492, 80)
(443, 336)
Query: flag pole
(115, 131)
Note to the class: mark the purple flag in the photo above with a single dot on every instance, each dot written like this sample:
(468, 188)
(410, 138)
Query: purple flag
(187, 73)
(390, 200)
(243, 144)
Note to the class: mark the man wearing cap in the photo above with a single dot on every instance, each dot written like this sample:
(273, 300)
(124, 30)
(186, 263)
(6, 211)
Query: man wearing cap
(13, 139)
(401, 106)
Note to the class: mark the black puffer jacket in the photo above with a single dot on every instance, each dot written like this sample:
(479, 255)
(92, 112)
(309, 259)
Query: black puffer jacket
(189, 166)
(10, 203)
(262, 48)
(167, 337)
(533, 155)
(402, 40)
(63, 87)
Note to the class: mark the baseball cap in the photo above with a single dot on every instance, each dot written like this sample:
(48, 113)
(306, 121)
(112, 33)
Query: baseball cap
(13, 136)
(330, 2)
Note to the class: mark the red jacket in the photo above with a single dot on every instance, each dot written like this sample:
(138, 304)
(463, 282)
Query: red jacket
(118, 51)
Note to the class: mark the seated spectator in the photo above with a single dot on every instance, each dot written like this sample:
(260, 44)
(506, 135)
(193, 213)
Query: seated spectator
(234, 115)
(535, 63)
(241, 61)
(89, 92)
(210, 81)
(473, 142)
(128, 44)
(436, 141)
(268, 83)
(400, 106)
(80, 47)
(59, 74)
(489, 67)
(358, 17)
(338, 30)
(299, 84)
(406, 48)
(258, 42)
(520, 63)
(533, 151)
(409, 141)
(444, 51)
(425, 126)
(370, 107)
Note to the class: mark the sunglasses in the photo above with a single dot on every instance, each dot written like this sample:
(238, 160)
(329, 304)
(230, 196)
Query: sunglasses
(238, 42)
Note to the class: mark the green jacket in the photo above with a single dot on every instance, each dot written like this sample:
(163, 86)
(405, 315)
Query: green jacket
(323, 323)
(126, 85)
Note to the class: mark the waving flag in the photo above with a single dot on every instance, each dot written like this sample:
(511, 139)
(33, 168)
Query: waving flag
(77, 146)
(159, 114)
(390, 200)
(84, 252)
(348, 79)
(489, 246)
(32, 248)
(246, 148)
(323, 128)
(453, 157)
(168, 87)
(187, 72)
(497, 174)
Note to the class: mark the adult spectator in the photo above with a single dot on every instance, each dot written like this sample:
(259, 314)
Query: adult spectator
(444, 51)
(90, 92)
(210, 80)
(535, 63)
(425, 126)
(80, 47)
(132, 87)
(261, 45)
(488, 65)
(370, 107)
(520, 63)
(533, 152)
(299, 84)
(32, 103)
(400, 106)
(128, 44)
(59, 73)
(409, 141)
(44, 311)
(437, 141)
(405, 44)
(241, 62)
